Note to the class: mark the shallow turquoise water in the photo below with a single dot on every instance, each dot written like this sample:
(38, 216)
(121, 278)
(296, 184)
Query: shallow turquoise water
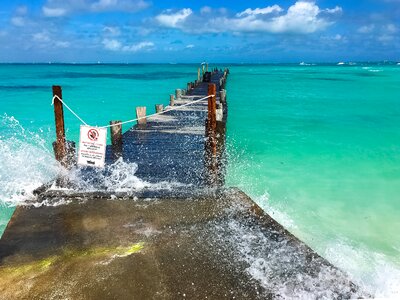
(318, 147)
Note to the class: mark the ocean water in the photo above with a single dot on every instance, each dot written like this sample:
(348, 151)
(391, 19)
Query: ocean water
(318, 146)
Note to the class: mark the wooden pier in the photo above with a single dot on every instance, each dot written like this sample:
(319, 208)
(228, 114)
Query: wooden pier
(198, 240)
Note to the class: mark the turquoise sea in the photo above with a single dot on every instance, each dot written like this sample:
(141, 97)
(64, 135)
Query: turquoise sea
(317, 146)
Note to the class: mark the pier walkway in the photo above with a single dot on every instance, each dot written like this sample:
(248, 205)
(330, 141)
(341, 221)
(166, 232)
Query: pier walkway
(197, 240)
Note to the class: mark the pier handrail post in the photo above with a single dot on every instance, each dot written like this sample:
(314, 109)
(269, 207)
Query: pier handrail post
(116, 138)
(211, 141)
(159, 108)
(178, 94)
(141, 113)
(171, 100)
(60, 148)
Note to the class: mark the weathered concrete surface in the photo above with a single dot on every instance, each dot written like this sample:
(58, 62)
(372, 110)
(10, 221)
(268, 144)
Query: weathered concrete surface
(206, 247)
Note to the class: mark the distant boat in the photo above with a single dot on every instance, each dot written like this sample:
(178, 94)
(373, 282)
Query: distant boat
(341, 64)
(304, 64)
(398, 63)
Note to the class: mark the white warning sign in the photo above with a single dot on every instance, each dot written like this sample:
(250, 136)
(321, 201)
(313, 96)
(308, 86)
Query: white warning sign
(92, 146)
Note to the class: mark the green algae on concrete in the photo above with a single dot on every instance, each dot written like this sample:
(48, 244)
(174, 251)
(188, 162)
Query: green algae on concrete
(42, 265)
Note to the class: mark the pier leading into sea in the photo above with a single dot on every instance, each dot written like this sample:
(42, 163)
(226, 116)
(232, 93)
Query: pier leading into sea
(184, 235)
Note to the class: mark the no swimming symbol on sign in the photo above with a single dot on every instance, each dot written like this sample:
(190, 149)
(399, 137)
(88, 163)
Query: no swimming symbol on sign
(92, 146)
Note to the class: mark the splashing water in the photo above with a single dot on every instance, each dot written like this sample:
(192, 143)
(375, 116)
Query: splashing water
(25, 162)
(116, 177)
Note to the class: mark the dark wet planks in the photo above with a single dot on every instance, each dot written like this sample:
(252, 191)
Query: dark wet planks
(208, 246)
(171, 146)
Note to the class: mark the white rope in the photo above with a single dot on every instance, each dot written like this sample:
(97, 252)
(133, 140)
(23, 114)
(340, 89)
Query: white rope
(133, 120)
(160, 113)
(56, 97)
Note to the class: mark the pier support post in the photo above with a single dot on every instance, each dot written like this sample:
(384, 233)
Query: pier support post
(116, 139)
(60, 148)
(171, 100)
(178, 94)
(211, 141)
(223, 96)
(159, 108)
(141, 113)
(198, 75)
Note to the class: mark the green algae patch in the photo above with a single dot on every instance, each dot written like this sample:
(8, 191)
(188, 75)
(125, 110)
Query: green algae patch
(120, 251)
(68, 256)
(32, 267)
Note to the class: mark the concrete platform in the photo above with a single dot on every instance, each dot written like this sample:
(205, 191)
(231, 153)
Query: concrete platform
(214, 245)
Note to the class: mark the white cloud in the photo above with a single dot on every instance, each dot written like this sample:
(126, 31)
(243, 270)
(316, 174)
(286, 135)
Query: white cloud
(205, 10)
(260, 11)
(115, 45)
(59, 8)
(335, 10)
(173, 20)
(112, 45)
(18, 21)
(22, 10)
(366, 28)
(303, 17)
(138, 47)
(20, 18)
(190, 46)
(54, 12)
(41, 37)
(112, 30)
(390, 28)
(385, 38)
(61, 44)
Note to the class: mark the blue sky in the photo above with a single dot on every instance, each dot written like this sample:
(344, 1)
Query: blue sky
(193, 31)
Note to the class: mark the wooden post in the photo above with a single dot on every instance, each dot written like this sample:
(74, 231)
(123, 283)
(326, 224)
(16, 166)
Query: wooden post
(60, 150)
(159, 108)
(70, 157)
(198, 75)
(171, 100)
(207, 67)
(189, 86)
(212, 106)
(178, 93)
(223, 96)
(210, 144)
(141, 113)
(116, 138)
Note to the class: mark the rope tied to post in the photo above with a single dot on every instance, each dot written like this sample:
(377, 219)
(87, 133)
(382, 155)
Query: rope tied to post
(132, 120)
(74, 113)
